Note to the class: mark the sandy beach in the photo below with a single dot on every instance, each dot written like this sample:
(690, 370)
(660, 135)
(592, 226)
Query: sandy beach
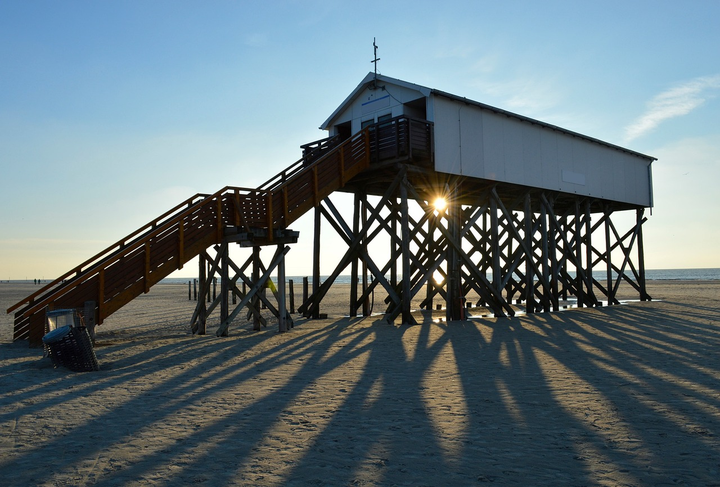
(621, 395)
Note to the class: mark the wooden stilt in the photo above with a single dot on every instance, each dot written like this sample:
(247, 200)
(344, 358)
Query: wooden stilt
(255, 302)
(354, 266)
(315, 309)
(644, 296)
(608, 258)
(529, 255)
(202, 313)
(364, 220)
(282, 318)
(224, 282)
(407, 317)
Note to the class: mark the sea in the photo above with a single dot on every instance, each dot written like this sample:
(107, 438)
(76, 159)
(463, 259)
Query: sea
(712, 274)
(650, 274)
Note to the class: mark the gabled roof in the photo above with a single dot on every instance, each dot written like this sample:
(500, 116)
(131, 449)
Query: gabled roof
(367, 81)
(370, 79)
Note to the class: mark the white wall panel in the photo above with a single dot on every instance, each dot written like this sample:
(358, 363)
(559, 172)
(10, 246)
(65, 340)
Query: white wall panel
(493, 132)
(478, 142)
(447, 136)
(472, 156)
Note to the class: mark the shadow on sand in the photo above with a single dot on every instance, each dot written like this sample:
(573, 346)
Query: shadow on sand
(625, 395)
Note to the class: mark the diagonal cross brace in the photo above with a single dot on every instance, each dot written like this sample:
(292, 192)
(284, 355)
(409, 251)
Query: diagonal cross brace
(279, 255)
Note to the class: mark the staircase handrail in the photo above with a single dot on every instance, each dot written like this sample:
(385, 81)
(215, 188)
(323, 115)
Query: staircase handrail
(140, 237)
(283, 176)
(116, 247)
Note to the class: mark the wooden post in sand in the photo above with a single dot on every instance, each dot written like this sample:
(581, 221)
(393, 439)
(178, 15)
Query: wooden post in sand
(644, 296)
(589, 253)
(354, 265)
(364, 267)
(316, 264)
(291, 291)
(407, 317)
(305, 290)
(255, 301)
(282, 311)
(578, 257)
(224, 283)
(608, 258)
(529, 281)
(202, 310)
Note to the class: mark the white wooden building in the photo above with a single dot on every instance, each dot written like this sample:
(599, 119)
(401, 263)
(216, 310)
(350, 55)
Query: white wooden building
(480, 141)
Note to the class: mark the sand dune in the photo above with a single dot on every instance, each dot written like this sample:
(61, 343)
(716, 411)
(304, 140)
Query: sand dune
(622, 395)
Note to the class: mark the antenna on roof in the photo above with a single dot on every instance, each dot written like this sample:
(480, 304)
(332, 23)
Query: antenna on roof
(375, 61)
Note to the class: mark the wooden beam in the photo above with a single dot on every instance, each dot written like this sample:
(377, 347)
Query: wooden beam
(279, 254)
(407, 317)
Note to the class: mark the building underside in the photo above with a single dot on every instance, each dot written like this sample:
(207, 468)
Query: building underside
(511, 248)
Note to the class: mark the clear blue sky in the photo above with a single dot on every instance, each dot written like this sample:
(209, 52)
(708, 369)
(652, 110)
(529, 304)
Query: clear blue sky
(113, 112)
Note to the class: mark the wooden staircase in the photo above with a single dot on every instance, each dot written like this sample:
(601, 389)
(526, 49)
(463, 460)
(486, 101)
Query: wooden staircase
(130, 267)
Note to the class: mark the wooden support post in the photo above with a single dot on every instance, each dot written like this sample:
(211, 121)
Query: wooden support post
(255, 301)
(552, 241)
(202, 310)
(509, 287)
(644, 296)
(547, 291)
(453, 281)
(430, 244)
(396, 210)
(316, 264)
(291, 291)
(305, 291)
(608, 258)
(354, 266)
(588, 255)
(407, 317)
(363, 247)
(224, 283)
(565, 227)
(282, 311)
(529, 256)
(495, 245)
(485, 248)
(578, 257)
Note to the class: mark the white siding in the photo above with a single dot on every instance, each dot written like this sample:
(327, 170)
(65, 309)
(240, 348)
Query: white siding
(477, 142)
(370, 104)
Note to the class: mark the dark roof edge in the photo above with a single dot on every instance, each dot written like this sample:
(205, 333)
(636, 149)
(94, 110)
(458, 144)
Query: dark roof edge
(542, 124)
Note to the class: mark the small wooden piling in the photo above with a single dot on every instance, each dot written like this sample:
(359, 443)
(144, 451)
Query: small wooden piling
(306, 286)
(291, 290)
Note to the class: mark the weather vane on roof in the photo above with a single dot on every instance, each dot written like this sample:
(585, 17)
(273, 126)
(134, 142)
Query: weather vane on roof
(375, 61)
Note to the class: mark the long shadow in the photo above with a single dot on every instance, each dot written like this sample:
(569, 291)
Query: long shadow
(625, 395)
